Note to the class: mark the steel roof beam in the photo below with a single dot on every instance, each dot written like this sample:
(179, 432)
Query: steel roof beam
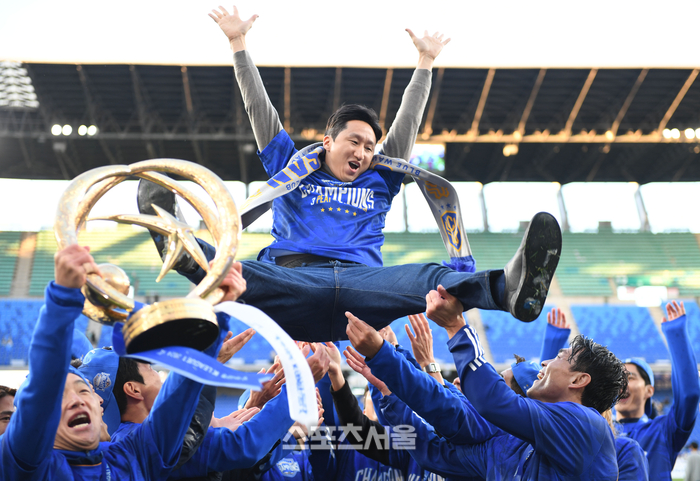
(474, 130)
(579, 101)
(677, 101)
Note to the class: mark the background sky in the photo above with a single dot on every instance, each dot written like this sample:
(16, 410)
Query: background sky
(509, 33)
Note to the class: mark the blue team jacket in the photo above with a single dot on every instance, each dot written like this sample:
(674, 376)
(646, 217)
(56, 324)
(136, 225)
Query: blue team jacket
(149, 454)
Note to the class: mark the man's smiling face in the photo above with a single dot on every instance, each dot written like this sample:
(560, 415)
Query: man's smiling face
(351, 152)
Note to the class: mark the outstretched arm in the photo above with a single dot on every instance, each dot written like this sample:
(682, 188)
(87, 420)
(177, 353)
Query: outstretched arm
(686, 388)
(402, 134)
(263, 116)
(556, 334)
(39, 403)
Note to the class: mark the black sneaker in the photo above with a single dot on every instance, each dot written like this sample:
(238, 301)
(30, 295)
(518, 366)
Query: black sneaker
(529, 273)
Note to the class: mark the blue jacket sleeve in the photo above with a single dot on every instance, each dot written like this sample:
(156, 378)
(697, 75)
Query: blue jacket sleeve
(684, 378)
(554, 339)
(632, 463)
(39, 404)
(546, 426)
(438, 406)
(277, 153)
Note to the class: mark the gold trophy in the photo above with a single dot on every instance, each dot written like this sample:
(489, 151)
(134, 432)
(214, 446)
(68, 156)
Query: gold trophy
(188, 321)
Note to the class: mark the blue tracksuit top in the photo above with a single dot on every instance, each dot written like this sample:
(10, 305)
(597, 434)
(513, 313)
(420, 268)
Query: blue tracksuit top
(451, 415)
(545, 441)
(663, 437)
(223, 449)
(149, 454)
(327, 217)
(631, 460)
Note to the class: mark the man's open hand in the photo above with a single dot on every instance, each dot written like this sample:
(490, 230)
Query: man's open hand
(674, 311)
(233, 26)
(429, 47)
(232, 344)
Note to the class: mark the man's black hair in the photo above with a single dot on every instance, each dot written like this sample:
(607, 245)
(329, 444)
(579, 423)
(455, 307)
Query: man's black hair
(7, 391)
(694, 445)
(127, 371)
(643, 374)
(338, 121)
(608, 374)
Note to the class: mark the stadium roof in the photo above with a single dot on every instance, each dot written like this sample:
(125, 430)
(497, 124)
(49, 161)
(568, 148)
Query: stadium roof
(567, 124)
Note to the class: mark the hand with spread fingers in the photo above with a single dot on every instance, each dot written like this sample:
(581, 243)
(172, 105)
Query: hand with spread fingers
(445, 310)
(674, 311)
(72, 266)
(234, 420)
(233, 26)
(363, 337)
(557, 319)
(429, 47)
(269, 389)
(357, 364)
(232, 344)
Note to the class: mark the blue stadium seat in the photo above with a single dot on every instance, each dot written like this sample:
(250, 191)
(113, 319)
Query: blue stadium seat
(628, 331)
(17, 320)
(508, 336)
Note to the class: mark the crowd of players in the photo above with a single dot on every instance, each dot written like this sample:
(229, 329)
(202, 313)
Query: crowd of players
(581, 414)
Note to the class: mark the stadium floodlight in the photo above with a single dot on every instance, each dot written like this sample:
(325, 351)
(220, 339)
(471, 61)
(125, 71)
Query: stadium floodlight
(56, 129)
(609, 135)
(697, 133)
(667, 133)
(689, 133)
(510, 149)
(82, 130)
(675, 133)
(92, 130)
(67, 130)
(16, 89)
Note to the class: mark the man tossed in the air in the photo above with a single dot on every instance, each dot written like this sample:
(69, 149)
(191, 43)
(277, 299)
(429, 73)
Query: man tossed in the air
(326, 258)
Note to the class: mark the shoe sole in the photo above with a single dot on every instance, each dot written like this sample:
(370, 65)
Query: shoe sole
(542, 252)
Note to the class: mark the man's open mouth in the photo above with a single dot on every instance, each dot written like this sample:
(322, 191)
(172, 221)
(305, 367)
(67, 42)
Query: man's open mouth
(79, 420)
(354, 165)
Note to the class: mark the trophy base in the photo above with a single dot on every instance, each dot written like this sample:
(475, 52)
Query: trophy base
(188, 322)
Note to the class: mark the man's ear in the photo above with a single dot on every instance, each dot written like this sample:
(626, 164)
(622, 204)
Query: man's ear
(648, 391)
(133, 390)
(327, 142)
(580, 380)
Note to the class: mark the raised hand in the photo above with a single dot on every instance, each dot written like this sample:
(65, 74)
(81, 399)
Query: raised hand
(233, 284)
(363, 336)
(232, 345)
(422, 341)
(269, 389)
(674, 311)
(319, 362)
(357, 364)
(445, 310)
(558, 319)
(234, 420)
(233, 26)
(72, 265)
(388, 335)
(429, 47)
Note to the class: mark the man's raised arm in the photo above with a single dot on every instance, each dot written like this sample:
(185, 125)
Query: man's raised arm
(263, 116)
(402, 134)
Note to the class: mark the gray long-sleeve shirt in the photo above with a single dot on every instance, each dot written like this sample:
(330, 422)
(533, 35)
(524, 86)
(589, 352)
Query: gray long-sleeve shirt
(266, 122)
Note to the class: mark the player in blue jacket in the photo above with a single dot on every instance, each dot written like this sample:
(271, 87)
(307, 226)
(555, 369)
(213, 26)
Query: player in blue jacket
(555, 433)
(56, 430)
(631, 459)
(663, 437)
(328, 230)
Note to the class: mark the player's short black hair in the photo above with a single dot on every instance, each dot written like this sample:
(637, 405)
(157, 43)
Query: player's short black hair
(127, 371)
(338, 121)
(694, 445)
(7, 391)
(608, 374)
(643, 374)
